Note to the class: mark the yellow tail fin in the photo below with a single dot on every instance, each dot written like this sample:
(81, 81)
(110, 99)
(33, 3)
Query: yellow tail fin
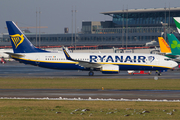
(164, 46)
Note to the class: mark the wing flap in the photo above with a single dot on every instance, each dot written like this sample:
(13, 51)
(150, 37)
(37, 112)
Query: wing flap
(89, 64)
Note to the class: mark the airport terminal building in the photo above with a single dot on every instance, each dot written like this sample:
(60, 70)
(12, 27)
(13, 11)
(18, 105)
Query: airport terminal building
(128, 28)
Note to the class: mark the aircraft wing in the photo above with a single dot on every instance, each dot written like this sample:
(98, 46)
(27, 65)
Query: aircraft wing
(174, 57)
(14, 54)
(82, 63)
(88, 64)
(176, 60)
(171, 56)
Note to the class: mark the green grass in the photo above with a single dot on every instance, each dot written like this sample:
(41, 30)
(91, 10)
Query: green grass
(99, 110)
(89, 83)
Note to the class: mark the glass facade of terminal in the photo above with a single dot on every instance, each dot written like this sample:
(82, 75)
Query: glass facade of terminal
(142, 27)
(132, 30)
(112, 39)
(145, 18)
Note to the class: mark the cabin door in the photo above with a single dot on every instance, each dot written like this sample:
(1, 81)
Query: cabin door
(37, 59)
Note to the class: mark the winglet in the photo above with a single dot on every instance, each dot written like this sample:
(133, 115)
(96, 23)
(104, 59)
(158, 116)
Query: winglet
(164, 47)
(66, 54)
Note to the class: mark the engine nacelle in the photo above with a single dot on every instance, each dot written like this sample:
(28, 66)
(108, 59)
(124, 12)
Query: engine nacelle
(110, 69)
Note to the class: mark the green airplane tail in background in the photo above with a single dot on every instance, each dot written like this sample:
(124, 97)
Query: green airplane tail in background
(174, 44)
(177, 22)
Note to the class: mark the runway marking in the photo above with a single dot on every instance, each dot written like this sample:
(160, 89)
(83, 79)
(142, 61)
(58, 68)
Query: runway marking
(90, 99)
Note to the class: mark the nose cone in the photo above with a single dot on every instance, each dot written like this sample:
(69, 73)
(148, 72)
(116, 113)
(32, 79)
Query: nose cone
(174, 64)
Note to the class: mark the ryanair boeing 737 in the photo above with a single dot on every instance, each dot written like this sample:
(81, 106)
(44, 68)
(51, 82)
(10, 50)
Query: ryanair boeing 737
(108, 63)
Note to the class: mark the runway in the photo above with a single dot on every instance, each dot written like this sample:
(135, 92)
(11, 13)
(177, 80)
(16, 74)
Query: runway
(15, 69)
(85, 93)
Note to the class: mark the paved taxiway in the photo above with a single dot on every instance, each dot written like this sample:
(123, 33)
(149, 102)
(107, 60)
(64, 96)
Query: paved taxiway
(15, 69)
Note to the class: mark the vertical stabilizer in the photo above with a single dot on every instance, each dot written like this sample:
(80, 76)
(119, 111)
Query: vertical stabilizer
(177, 22)
(174, 44)
(19, 41)
(164, 47)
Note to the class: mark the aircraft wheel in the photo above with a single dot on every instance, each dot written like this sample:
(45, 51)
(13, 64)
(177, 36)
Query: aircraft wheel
(159, 74)
(91, 73)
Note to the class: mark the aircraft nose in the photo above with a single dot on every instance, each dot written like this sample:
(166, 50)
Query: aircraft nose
(174, 64)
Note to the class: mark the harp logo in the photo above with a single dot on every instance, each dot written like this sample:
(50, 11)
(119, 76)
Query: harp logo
(17, 39)
(151, 58)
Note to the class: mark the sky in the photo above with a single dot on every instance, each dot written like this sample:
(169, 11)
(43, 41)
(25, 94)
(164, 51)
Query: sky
(57, 14)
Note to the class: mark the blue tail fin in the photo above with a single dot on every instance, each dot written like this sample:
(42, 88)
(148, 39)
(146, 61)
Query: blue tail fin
(19, 41)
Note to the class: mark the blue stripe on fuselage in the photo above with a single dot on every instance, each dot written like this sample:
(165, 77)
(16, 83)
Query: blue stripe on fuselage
(73, 66)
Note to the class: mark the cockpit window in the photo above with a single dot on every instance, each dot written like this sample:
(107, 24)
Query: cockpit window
(167, 59)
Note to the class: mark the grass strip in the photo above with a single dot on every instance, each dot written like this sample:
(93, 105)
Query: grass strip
(96, 110)
(89, 83)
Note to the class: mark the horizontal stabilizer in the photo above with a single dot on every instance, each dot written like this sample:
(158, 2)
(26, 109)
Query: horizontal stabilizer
(14, 54)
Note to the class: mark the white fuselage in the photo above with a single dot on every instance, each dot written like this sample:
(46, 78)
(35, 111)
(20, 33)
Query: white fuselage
(130, 61)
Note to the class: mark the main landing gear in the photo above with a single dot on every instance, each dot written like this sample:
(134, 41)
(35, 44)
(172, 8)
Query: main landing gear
(91, 73)
(158, 72)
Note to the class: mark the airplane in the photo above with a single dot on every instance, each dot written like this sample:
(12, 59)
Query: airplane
(172, 51)
(175, 47)
(164, 47)
(107, 63)
(177, 22)
(173, 41)
(2, 53)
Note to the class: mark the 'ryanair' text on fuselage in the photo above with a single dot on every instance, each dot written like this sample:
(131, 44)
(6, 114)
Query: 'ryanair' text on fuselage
(136, 59)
